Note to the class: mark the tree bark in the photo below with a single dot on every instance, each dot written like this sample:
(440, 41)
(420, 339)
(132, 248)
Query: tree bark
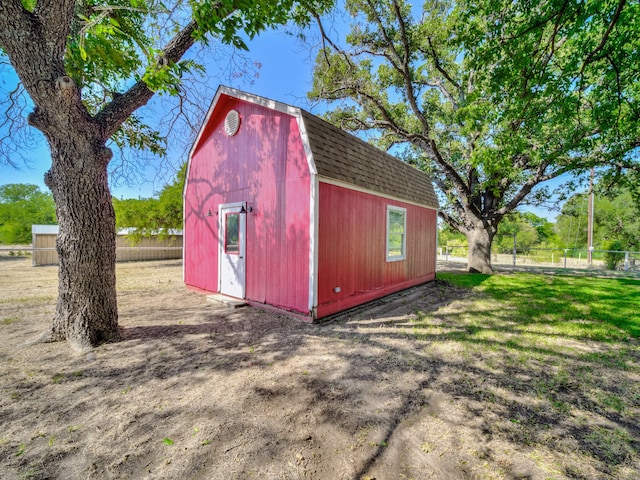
(86, 312)
(479, 256)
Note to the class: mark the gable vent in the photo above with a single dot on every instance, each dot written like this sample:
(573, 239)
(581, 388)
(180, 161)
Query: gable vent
(232, 123)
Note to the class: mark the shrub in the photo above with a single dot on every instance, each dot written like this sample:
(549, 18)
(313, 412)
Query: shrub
(613, 258)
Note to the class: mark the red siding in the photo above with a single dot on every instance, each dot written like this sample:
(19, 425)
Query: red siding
(265, 165)
(352, 255)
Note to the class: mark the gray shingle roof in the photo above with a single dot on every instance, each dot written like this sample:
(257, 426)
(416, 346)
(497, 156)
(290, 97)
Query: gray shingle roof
(341, 156)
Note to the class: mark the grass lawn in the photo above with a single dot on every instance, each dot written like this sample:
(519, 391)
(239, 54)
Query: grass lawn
(558, 355)
(579, 306)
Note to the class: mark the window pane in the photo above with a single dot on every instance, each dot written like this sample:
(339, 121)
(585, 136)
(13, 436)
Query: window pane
(396, 222)
(231, 244)
(396, 225)
(394, 249)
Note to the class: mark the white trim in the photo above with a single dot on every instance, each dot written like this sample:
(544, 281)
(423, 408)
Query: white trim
(221, 239)
(258, 100)
(313, 242)
(435, 260)
(184, 234)
(356, 188)
(205, 123)
(403, 255)
(314, 208)
(305, 142)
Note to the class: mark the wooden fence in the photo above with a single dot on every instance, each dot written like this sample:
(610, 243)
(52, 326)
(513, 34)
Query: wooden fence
(151, 248)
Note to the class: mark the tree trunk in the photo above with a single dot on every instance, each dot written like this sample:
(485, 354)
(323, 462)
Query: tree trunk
(479, 257)
(86, 312)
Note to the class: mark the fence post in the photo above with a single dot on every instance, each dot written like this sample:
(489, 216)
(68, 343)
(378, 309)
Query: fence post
(514, 249)
(626, 261)
(565, 258)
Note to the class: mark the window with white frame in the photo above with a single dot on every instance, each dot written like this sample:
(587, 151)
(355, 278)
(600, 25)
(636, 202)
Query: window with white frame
(396, 233)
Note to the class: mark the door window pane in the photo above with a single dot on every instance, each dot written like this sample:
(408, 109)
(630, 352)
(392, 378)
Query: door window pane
(231, 237)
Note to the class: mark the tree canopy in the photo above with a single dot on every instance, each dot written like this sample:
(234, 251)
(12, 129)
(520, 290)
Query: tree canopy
(122, 52)
(494, 98)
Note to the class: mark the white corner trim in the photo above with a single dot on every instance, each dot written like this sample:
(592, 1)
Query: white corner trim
(305, 142)
(314, 209)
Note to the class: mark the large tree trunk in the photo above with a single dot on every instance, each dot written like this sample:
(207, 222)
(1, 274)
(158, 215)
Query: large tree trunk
(86, 312)
(36, 41)
(479, 257)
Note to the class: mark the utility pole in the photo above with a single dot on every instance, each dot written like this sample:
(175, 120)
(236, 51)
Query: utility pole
(590, 222)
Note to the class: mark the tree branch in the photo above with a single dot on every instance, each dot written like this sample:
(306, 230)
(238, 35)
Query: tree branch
(452, 222)
(539, 177)
(44, 33)
(56, 17)
(17, 27)
(325, 38)
(13, 19)
(440, 68)
(396, 61)
(113, 114)
(614, 20)
(406, 72)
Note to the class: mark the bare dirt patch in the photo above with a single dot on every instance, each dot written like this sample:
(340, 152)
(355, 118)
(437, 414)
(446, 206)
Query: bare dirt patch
(197, 390)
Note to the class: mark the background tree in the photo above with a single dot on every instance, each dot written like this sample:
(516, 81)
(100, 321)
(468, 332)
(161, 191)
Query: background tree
(23, 205)
(493, 98)
(615, 218)
(87, 66)
(447, 236)
(156, 216)
(531, 231)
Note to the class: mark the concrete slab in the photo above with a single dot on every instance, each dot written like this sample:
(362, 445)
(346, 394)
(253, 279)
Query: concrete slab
(227, 301)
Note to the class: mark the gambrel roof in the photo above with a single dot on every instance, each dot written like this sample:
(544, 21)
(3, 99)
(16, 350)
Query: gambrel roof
(338, 155)
(341, 156)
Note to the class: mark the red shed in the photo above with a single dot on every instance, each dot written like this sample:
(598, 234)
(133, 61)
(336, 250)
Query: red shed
(283, 208)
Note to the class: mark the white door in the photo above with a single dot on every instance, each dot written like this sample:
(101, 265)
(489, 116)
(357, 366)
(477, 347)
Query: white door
(232, 232)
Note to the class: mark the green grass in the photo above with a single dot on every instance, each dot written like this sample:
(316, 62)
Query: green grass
(573, 305)
(34, 299)
(546, 350)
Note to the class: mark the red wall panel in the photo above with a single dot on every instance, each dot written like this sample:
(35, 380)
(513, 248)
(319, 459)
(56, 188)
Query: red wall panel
(265, 165)
(352, 248)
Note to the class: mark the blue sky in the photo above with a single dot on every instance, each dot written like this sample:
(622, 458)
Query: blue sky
(285, 75)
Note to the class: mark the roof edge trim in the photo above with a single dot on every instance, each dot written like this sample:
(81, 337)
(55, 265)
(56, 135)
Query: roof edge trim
(357, 188)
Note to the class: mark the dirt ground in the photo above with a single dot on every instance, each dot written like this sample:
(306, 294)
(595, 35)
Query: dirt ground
(196, 390)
